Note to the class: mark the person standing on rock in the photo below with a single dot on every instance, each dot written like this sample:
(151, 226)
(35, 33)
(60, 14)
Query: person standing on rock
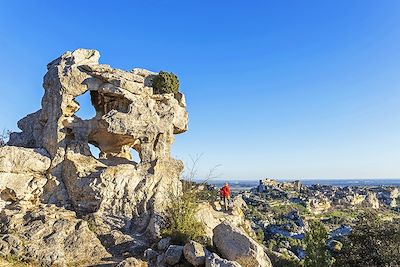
(226, 195)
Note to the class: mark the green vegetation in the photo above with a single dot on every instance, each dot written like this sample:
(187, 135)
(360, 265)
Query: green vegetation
(165, 82)
(260, 235)
(282, 208)
(182, 224)
(373, 242)
(317, 254)
(206, 195)
(339, 216)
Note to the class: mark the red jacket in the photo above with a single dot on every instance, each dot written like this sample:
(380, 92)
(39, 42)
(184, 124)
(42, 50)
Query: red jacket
(225, 191)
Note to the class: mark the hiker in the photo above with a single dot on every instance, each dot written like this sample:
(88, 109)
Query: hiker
(225, 194)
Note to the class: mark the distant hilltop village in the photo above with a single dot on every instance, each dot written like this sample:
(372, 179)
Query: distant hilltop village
(320, 198)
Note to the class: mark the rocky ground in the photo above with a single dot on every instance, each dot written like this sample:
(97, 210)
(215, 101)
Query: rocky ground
(281, 212)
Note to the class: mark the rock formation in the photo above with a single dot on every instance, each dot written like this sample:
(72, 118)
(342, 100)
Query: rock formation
(49, 164)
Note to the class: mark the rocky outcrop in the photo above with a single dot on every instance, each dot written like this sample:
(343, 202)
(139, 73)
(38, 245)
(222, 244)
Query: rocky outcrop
(50, 161)
(22, 174)
(210, 217)
(372, 200)
(49, 236)
(235, 245)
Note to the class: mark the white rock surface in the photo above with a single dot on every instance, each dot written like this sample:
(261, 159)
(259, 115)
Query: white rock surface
(132, 262)
(194, 253)
(50, 236)
(213, 260)
(22, 174)
(235, 245)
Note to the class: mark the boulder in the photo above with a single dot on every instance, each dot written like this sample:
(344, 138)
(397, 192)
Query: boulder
(194, 253)
(213, 260)
(173, 254)
(234, 244)
(211, 217)
(163, 244)
(150, 255)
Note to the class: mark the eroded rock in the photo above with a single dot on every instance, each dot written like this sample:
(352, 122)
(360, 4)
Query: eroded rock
(50, 162)
(49, 236)
(22, 174)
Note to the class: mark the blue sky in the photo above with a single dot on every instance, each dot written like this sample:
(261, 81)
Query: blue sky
(284, 89)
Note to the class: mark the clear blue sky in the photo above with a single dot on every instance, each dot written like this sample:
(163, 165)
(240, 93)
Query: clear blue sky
(284, 89)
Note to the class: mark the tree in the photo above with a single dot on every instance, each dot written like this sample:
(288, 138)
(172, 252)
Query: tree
(4, 136)
(317, 254)
(372, 242)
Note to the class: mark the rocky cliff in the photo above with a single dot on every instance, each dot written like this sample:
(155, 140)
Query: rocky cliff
(50, 181)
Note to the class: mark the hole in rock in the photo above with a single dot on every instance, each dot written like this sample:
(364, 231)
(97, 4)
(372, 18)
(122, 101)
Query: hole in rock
(8, 195)
(94, 150)
(104, 103)
(86, 110)
(135, 155)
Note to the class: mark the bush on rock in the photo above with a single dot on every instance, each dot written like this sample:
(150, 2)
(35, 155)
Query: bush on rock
(166, 82)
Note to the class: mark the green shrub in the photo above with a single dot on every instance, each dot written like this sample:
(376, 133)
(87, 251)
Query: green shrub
(165, 82)
(260, 235)
(372, 242)
(182, 224)
(317, 254)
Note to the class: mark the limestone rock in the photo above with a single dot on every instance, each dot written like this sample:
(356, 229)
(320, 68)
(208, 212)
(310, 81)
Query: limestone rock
(173, 254)
(132, 262)
(129, 117)
(235, 245)
(22, 174)
(50, 162)
(24, 160)
(211, 217)
(150, 255)
(213, 260)
(50, 236)
(194, 253)
(163, 244)
(372, 200)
